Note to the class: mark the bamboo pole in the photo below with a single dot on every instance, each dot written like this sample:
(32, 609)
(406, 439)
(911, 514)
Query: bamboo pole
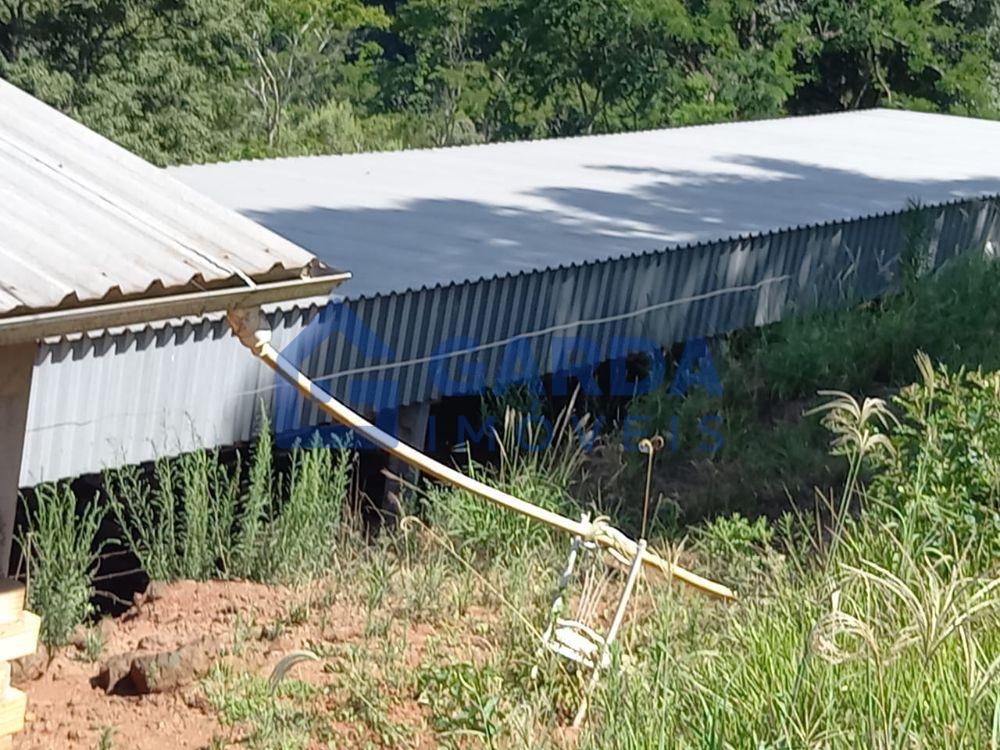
(246, 324)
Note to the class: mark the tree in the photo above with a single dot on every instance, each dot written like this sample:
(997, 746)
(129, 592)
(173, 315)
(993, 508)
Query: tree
(625, 64)
(156, 76)
(925, 54)
(296, 47)
(445, 77)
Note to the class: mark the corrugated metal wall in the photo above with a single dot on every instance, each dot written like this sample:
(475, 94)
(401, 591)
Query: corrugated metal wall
(128, 397)
(131, 396)
(405, 348)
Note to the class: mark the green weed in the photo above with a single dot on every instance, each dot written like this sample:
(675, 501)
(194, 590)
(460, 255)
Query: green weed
(61, 552)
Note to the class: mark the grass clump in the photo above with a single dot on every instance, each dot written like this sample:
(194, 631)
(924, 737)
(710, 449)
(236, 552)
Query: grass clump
(298, 534)
(197, 518)
(540, 461)
(262, 718)
(61, 554)
(180, 524)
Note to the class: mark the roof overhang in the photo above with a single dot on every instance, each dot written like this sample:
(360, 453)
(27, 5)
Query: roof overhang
(34, 326)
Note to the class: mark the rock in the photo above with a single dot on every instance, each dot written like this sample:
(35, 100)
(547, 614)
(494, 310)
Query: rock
(168, 670)
(30, 667)
(155, 591)
(78, 638)
(155, 642)
(113, 676)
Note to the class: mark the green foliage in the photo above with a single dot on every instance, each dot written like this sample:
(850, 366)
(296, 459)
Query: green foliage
(202, 80)
(197, 520)
(939, 488)
(181, 524)
(538, 464)
(61, 552)
(924, 56)
(733, 536)
(465, 700)
(301, 535)
(852, 649)
(282, 718)
(770, 377)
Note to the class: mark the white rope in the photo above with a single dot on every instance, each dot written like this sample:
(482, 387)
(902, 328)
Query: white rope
(552, 329)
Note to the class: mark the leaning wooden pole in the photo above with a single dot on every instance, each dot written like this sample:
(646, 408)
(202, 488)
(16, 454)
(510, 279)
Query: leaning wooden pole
(246, 324)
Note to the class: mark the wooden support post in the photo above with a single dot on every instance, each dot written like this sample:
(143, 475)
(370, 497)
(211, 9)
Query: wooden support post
(16, 363)
(18, 637)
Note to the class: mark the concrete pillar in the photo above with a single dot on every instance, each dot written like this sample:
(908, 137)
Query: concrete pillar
(16, 363)
(413, 421)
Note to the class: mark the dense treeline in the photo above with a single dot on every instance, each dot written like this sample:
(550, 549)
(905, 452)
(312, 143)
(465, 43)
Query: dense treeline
(197, 80)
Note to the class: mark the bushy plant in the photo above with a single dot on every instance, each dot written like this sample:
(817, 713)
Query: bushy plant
(939, 488)
(61, 552)
(180, 524)
(300, 536)
(196, 518)
(539, 462)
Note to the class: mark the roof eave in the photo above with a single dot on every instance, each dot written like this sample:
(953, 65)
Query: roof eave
(34, 326)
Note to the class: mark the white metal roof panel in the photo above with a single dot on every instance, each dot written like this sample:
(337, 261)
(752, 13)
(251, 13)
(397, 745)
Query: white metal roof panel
(83, 220)
(413, 219)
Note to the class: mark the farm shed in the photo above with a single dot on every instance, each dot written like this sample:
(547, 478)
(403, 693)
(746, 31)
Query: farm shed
(91, 238)
(659, 235)
(590, 243)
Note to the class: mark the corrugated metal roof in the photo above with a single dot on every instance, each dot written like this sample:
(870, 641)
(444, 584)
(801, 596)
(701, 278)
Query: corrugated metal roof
(416, 219)
(84, 220)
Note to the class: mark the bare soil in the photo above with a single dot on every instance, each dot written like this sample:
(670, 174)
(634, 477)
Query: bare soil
(256, 626)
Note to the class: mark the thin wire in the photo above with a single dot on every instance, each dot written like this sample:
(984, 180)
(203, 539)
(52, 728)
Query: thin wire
(553, 329)
(528, 335)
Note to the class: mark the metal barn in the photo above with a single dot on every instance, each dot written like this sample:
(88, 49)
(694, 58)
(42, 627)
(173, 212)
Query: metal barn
(459, 253)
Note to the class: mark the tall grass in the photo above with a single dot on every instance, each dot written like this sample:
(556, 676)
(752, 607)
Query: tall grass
(196, 518)
(299, 536)
(540, 461)
(886, 635)
(180, 525)
(61, 552)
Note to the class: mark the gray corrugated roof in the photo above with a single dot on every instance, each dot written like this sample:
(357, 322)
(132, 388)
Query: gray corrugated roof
(416, 219)
(83, 220)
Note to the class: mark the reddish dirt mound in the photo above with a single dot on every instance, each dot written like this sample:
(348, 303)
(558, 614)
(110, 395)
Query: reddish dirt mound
(66, 711)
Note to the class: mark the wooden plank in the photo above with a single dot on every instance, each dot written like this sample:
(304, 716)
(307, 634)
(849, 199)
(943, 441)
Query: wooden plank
(4, 675)
(11, 600)
(19, 638)
(12, 705)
